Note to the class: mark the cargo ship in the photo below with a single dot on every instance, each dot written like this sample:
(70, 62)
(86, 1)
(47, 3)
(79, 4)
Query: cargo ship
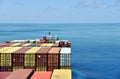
(44, 58)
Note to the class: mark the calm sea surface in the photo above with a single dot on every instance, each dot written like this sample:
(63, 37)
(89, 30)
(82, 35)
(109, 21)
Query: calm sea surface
(95, 47)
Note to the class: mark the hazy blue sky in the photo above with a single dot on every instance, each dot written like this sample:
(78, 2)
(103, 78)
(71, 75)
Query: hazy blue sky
(59, 11)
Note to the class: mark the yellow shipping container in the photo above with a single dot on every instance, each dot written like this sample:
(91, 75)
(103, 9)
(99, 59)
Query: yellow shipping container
(17, 67)
(4, 48)
(27, 44)
(15, 44)
(44, 45)
(50, 45)
(30, 56)
(2, 55)
(47, 45)
(6, 56)
(61, 74)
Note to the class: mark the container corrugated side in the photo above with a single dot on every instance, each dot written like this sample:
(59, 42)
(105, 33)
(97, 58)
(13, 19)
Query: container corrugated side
(3, 75)
(21, 74)
(41, 75)
(6, 56)
(30, 56)
(65, 57)
(2, 56)
(5, 68)
(17, 67)
(18, 56)
(41, 59)
(30, 67)
(53, 58)
(61, 74)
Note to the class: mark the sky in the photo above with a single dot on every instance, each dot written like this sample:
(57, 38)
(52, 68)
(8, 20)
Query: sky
(59, 11)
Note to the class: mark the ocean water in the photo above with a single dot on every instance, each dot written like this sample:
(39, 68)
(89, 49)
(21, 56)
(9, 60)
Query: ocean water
(95, 46)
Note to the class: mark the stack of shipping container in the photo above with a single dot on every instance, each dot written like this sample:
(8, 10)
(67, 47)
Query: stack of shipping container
(50, 59)
(46, 57)
(31, 74)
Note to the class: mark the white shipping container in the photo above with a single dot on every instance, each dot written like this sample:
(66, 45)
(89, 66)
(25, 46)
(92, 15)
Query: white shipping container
(65, 57)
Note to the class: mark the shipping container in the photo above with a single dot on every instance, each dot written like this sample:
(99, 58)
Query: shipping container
(18, 56)
(17, 67)
(29, 56)
(18, 41)
(41, 58)
(32, 45)
(50, 44)
(44, 45)
(4, 44)
(53, 58)
(6, 56)
(1, 55)
(65, 67)
(20, 45)
(30, 67)
(26, 44)
(21, 74)
(41, 75)
(5, 68)
(4, 48)
(38, 44)
(47, 45)
(15, 44)
(3, 75)
(55, 45)
(61, 74)
(65, 57)
(41, 68)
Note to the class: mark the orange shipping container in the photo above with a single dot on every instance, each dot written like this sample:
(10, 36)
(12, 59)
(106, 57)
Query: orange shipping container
(53, 58)
(41, 75)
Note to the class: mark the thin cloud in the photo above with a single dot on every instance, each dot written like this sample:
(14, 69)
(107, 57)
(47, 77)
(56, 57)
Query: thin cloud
(98, 4)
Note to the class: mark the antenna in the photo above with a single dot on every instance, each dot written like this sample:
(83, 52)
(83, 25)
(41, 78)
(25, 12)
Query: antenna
(49, 33)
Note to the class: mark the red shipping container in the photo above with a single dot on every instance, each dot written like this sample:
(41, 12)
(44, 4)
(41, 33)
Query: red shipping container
(5, 68)
(18, 56)
(21, 74)
(41, 56)
(3, 75)
(4, 44)
(53, 58)
(41, 75)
